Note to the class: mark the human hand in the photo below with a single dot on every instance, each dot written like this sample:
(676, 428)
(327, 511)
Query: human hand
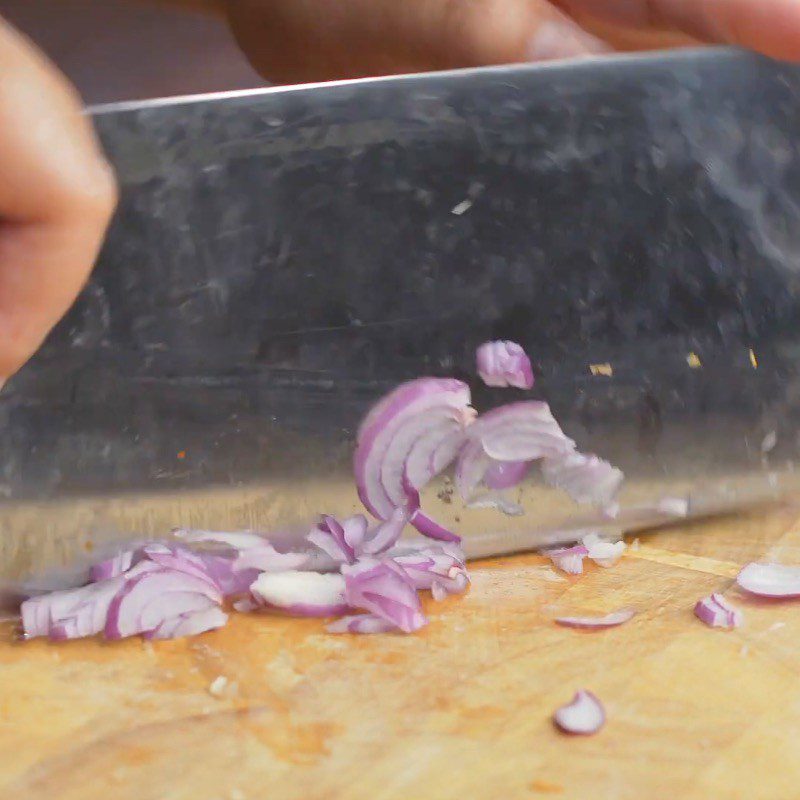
(57, 195)
(310, 40)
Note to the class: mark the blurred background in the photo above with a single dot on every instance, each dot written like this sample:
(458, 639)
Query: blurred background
(120, 50)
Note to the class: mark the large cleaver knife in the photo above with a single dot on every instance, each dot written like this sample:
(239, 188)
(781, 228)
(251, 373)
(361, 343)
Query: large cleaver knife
(282, 257)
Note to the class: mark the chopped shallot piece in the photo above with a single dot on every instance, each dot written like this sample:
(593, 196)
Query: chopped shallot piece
(503, 364)
(347, 541)
(306, 594)
(384, 589)
(717, 612)
(602, 552)
(341, 541)
(112, 567)
(585, 478)
(440, 568)
(568, 559)
(583, 715)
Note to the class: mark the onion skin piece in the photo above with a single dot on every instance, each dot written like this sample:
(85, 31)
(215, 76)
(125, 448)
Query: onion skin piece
(770, 580)
(716, 612)
(597, 623)
(584, 715)
(503, 363)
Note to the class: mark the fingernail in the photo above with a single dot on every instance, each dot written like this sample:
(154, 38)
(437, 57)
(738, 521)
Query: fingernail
(563, 39)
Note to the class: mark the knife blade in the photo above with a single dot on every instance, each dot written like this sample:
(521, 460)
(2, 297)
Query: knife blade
(282, 257)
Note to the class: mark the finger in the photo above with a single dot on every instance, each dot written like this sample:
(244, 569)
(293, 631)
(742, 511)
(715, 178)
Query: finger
(624, 38)
(770, 26)
(301, 40)
(56, 197)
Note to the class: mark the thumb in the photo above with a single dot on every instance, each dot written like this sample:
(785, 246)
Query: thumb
(309, 40)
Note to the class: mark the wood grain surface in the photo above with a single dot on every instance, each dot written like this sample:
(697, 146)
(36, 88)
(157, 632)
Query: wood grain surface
(460, 710)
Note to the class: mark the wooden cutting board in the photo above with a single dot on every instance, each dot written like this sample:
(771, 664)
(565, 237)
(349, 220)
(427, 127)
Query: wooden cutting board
(460, 710)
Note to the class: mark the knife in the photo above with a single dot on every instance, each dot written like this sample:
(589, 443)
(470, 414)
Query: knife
(283, 257)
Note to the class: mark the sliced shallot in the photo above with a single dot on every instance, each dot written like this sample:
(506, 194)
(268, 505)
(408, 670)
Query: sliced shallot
(426, 418)
(717, 612)
(770, 580)
(153, 595)
(596, 623)
(583, 715)
(71, 613)
(503, 363)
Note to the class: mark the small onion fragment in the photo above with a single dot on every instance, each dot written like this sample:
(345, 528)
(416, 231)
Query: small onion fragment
(386, 534)
(518, 432)
(770, 580)
(717, 612)
(583, 715)
(112, 567)
(305, 594)
(341, 541)
(499, 502)
(568, 559)
(504, 363)
(585, 478)
(596, 623)
(439, 568)
(602, 552)
(384, 589)
(347, 541)
(361, 623)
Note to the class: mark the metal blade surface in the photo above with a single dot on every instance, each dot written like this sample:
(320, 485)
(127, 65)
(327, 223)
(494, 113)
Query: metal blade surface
(283, 257)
